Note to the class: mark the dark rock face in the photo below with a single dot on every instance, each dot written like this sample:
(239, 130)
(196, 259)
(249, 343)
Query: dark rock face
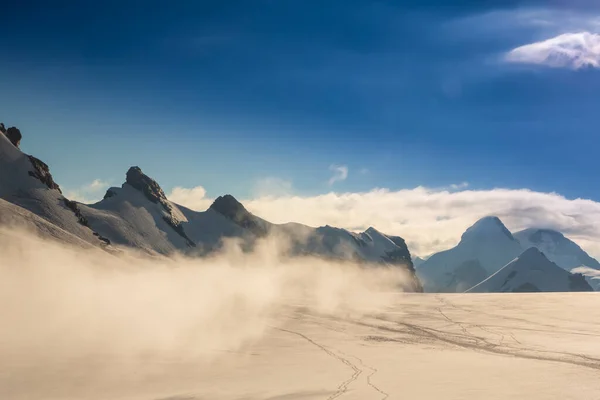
(2, 128)
(71, 205)
(577, 283)
(153, 192)
(151, 189)
(42, 173)
(229, 207)
(402, 257)
(14, 135)
(527, 288)
(109, 194)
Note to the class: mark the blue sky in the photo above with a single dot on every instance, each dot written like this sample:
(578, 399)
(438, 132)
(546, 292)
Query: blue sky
(225, 94)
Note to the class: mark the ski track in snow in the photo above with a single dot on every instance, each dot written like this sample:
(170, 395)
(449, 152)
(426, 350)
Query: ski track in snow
(397, 352)
(343, 358)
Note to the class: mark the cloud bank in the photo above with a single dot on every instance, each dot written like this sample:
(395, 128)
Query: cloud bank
(434, 219)
(570, 50)
(194, 198)
(88, 193)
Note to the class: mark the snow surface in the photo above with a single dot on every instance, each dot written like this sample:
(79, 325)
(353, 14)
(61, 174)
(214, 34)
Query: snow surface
(18, 187)
(423, 346)
(13, 216)
(530, 272)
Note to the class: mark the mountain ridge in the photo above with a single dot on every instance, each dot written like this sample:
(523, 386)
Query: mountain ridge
(139, 215)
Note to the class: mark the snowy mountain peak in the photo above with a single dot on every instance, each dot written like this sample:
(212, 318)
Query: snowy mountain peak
(229, 207)
(558, 248)
(374, 233)
(532, 272)
(532, 255)
(487, 227)
(142, 182)
(537, 235)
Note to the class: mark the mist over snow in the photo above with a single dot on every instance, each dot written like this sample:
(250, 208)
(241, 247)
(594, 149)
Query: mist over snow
(78, 303)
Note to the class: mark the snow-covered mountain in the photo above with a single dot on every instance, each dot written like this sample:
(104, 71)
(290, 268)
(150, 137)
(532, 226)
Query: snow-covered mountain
(484, 248)
(26, 182)
(559, 249)
(532, 272)
(418, 261)
(139, 215)
(563, 252)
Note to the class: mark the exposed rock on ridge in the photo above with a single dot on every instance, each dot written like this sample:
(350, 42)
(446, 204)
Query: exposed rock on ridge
(153, 192)
(229, 207)
(14, 135)
(42, 173)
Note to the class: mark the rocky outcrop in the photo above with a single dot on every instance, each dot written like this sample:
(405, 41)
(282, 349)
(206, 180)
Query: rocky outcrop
(230, 208)
(153, 192)
(402, 257)
(14, 135)
(151, 189)
(72, 205)
(42, 173)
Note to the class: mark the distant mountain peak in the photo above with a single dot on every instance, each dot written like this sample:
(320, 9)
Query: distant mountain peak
(142, 182)
(153, 192)
(532, 255)
(373, 231)
(231, 208)
(557, 247)
(535, 235)
(485, 227)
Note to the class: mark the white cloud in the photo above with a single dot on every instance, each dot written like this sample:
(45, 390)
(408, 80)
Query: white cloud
(569, 50)
(194, 198)
(340, 173)
(429, 219)
(88, 193)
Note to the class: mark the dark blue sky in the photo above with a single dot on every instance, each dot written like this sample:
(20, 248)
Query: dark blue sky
(225, 93)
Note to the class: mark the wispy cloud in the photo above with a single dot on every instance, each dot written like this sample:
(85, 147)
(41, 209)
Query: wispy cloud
(340, 173)
(569, 50)
(88, 193)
